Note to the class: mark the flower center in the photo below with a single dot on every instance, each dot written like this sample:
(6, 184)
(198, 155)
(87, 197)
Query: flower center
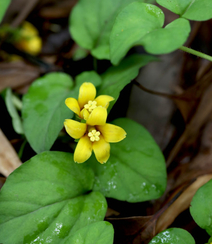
(94, 135)
(90, 106)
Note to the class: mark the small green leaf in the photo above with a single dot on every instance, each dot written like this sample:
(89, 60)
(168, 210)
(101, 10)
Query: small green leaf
(91, 23)
(117, 77)
(4, 4)
(136, 169)
(47, 200)
(87, 76)
(141, 24)
(16, 120)
(200, 209)
(98, 233)
(44, 109)
(173, 236)
(189, 9)
(161, 41)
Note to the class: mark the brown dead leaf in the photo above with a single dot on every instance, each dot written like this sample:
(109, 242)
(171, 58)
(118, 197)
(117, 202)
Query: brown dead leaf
(191, 132)
(17, 75)
(181, 203)
(9, 159)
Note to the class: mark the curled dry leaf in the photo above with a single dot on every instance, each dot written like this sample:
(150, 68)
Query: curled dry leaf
(181, 204)
(9, 159)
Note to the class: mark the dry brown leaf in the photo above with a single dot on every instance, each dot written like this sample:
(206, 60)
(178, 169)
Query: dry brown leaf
(17, 75)
(181, 203)
(191, 132)
(9, 159)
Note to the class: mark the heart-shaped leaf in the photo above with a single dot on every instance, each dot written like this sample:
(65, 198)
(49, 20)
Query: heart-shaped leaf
(173, 236)
(136, 169)
(91, 23)
(46, 200)
(141, 24)
(44, 109)
(3, 7)
(201, 207)
(117, 77)
(189, 9)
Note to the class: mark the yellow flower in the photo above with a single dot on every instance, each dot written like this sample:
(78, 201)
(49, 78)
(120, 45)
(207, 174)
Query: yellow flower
(30, 40)
(93, 138)
(89, 108)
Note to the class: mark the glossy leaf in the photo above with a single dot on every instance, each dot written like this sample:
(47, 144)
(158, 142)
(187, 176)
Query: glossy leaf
(173, 236)
(136, 169)
(98, 233)
(117, 77)
(141, 24)
(91, 23)
(44, 109)
(189, 9)
(4, 4)
(201, 207)
(47, 200)
(16, 120)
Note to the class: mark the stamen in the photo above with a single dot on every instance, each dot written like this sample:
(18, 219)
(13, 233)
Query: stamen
(94, 135)
(90, 106)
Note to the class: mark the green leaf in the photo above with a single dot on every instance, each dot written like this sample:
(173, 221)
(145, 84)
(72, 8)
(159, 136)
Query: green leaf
(189, 9)
(200, 209)
(136, 169)
(98, 233)
(16, 120)
(173, 236)
(47, 200)
(44, 109)
(91, 23)
(87, 76)
(141, 24)
(117, 77)
(4, 4)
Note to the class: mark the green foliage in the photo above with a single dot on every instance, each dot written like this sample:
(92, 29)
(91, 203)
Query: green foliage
(98, 233)
(117, 77)
(189, 9)
(173, 236)
(91, 23)
(200, 209)
(44, 109)
(48, 199)
(16, 120)
(136, 168)
(141, 24)
(3, 7)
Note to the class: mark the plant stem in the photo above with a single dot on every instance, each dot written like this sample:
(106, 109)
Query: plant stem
(194, 52)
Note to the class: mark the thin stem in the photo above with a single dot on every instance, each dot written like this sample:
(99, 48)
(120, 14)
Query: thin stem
(194, 52)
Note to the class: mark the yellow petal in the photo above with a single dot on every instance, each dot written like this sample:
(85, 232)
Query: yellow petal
(84, 114)
(83, 150)
(97, 117)
(112, 133)
(87, 93)
(72, 104)
(101, 149)
(103, 100)
(74, 128)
